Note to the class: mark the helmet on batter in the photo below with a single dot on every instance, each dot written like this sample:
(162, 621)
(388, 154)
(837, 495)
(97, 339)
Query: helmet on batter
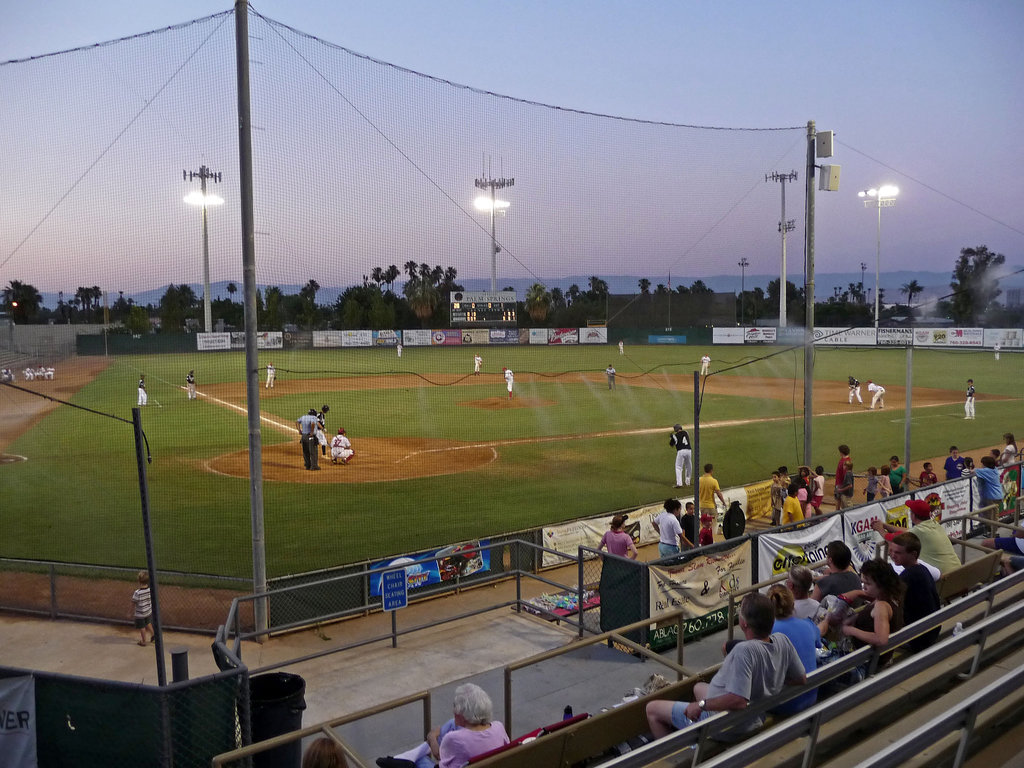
(341, 430)
(312, 411)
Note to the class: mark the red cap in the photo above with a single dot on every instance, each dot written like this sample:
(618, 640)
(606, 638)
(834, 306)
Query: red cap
(921, 510)
(706, 518)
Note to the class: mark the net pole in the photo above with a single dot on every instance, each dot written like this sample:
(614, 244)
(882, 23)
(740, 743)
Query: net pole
(910, 392)
(809, 293)
(252, 385)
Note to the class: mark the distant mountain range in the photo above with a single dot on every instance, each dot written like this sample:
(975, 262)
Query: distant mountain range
(936, 285)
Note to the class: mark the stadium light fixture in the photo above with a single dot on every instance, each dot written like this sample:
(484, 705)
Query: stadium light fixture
(879, 197)
(202, 198)
(492, 205)
(785, 226)
(483, 203)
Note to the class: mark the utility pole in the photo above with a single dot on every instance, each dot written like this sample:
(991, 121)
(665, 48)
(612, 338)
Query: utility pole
(784, 227)
(489, 183)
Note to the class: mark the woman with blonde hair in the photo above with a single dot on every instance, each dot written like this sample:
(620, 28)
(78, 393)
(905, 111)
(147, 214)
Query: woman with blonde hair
(805, 638)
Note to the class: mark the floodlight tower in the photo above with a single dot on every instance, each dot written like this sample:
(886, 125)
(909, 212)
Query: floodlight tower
(784, 227)
(881, 197)
(742, 264)
(204, 199)
(493, 205)
(863, 269)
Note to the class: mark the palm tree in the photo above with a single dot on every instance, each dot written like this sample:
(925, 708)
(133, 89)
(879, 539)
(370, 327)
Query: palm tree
(377, 275)
(911, 289)
(22, 300)
(645, 285)
(423, 298)
(391, 274)
(231, 288)
(538, 303)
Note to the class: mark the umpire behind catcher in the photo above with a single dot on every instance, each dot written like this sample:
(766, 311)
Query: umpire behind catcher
(307, 437)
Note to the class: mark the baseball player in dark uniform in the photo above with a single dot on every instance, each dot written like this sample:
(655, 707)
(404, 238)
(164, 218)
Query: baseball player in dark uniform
(190, 385)
(855, 390)
(684, 457)
(969, 402)
(321, 434)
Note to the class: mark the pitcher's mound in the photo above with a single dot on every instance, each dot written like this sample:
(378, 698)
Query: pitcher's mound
(377, 459)
(500, 403)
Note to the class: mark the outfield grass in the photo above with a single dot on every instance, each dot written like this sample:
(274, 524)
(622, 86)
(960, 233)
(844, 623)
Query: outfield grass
(77, 498)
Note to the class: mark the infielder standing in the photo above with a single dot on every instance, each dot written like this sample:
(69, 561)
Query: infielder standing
(477, 362)
(143, 397)
(271, 375)
(509, 380)
(684, 457)
(190, 385)
(969, 402)
(855, 390)
(705, 364)
(879, 396)
(610, 373)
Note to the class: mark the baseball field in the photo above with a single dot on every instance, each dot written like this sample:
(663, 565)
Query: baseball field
(441, 455)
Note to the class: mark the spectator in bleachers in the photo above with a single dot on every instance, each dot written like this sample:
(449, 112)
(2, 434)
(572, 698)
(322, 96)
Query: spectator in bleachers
(756, 668)
(1009, 453)
(927, 476)
(806, 638)
(469, 733)
(800, 583)
(841, 576)
(921, 599)
(324, 753)
(883, 614)
(936, 548)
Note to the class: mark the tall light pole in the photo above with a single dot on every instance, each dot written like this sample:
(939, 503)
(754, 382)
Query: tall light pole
(881, 197)
(784, 227)
(863, 268)
(202, 198)
(742, 264)
(493, 205)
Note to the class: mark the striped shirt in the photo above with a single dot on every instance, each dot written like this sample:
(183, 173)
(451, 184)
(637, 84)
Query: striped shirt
(143, 603)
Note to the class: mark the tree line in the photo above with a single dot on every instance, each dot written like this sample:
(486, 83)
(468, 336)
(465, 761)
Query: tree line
(423, 302)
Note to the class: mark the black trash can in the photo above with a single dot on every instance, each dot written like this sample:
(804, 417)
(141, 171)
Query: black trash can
(276, 701)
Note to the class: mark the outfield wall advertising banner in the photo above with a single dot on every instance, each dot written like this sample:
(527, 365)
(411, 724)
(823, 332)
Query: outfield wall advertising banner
(966, 337)
(778, 552)
(666, 339)
(563, 336)
(726, 335)
(504, 335)
(387, 338)
(326, 339)
(357, 338)
(861, 337)
(476, 336)
(211, 342)
(538, 335)
(593, 335)
(1007, 338)
(418, 337)
(421, 570)
(895, 337)
(754, 335)
(445, 337)
(931, 337)
(702, 585)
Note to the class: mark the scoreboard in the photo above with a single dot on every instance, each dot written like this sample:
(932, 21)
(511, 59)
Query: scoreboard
(483, 308)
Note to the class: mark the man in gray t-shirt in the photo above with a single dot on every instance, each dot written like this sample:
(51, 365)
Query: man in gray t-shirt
(756, 668)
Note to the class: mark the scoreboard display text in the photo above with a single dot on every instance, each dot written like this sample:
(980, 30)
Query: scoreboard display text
(483, 308)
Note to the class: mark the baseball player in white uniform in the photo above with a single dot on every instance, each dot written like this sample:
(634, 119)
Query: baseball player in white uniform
(996, 349)
(969, 401)
(341, 448)
(477, 362)
(271, 375)
(622, 347)
(854, 390)
(143, 397)
(399, 349)
(509, 380)
(190, 385)
(879, 396)
(705, 364)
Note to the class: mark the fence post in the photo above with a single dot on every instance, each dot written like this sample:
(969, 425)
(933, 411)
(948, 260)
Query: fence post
(53, 591)
(580, 588)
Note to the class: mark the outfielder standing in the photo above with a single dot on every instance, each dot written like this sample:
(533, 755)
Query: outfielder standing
(477, 362)
(855, 390)
(143, 397)
(190, 385)
(271, 375)
(879, 396)
(622, 348)
(969, 401)
(398, 348)
(705, 364)
(684, 457)
(509, 380)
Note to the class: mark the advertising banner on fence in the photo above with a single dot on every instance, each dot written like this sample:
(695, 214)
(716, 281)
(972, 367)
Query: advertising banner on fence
(326, 339)
(387, 338)
(759, 500)
(845, 336)
(858, 534)
(476, 336)
(209, 342)
(778, 552)
(18, 722)
(587, 533)
(269, 340)
(504, 335)
(563, 335)
(538, 335)
(895, 337)
(930, 337)
(726, 335)
(700, 588)
(357, 338)
(666, 338)
(966, 337)
(1007, 338)
(754, 335)
(441, 337)
(420, 570)
(417, 337)
(593, 335)
(949, 502)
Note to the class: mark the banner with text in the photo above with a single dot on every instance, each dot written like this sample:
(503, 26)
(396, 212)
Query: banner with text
(754, 335)
(1007, 338)
(476, 336)
(593, 335)
(18, 722)
(436, 566)
(864, 337)
(858, 534)
(417, 337)
(895, 337)
(778, 552)
(563, 335)
(445, 337)
(210, 342)
(386, 338)
(538, 335)
(726, 335)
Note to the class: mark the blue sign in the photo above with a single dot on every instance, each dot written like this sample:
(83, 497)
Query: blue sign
(394, 590)
(666, 339)
(434, 567)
